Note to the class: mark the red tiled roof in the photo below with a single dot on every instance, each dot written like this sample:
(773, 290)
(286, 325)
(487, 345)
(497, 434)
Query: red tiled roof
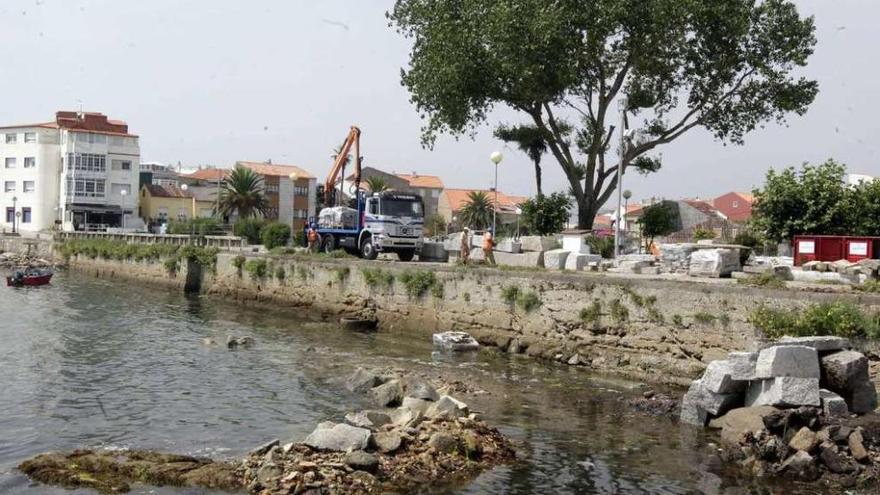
(703, 207)
(158, 191)
(458, 197)
(426, 181)
(276, 170)
(89, 122)
(208, 174)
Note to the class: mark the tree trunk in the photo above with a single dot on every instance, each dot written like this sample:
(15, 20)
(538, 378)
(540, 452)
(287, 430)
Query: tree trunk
(538, 177)
(586, 213)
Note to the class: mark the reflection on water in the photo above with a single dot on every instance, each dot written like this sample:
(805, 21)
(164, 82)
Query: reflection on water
(90, 363)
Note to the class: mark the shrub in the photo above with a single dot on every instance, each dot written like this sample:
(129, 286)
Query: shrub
(766, 279)
(592, 313)
(838, 318)
(172, 265)
(636, 299)
(437, 290)
(466, 296)
(509, 294)
(704, 317)
(377, 277)
(677, 320)
(257, 269)
(701, 234)
(619, 312)
(299, 239)
(249, 228)
(603, 246)
(528, 301)
(655, 316)
(280, 274)
(195, 226)
(275, 234)
(238, 263)
(341, 273)
(203, 256)
(417, 283)
(302, 272)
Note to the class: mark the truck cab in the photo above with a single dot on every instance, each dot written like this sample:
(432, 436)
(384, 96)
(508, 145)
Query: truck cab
(393, 222)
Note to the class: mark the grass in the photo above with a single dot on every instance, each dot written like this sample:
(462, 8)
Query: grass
(591, 314)
(377, 278)
(840, 318)
(704, 318)
(528, 301)
(766, 280)
(341, 273)
(257, 269)
(619, 312)
(418, 282)
(870, 286)
(678, 321)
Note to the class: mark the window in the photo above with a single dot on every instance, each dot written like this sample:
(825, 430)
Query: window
(10, 163)
(28, 186)
(300, 191)
(163, 213)
(11, 138)
(9, 186)
(84, 137)
(736, 204)
(121, 165)
(116, 189)
(272, 188)
(10, 215)
(25, 215)
(88, 162)
(181, 213)
(30, 162)
(435, 193)
(30, 137)
(89, 188)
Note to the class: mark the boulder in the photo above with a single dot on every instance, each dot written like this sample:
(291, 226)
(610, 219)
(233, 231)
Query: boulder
(835, 462)
(737, 422)
(713, 263)
(361, 461)
(368, 419)
(537, 243)
(387, 441)
(509, 246)
(443, 443)
(805, 439)
(842, 371)
(530, 259)
(800, 465)
(447, 408)
(833, 405)
(418, 405)
(718, 379)
(863, 397)
(387, 395)
(822, 343)
(233, 342)
(362, 380)
(857, 446)
(455, 341)
(784, 391)
(555, 259)
(788, 361)
(263, 449)
(419, 388)
(742, 365)
(577, 262)
(839, 266)
(403, 416)
(338, 436)
(698, 403)
(433, 251)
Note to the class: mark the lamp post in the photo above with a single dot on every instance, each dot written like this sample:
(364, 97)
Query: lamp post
(14, 200)
(496, 158)
(518, 213)
(123, 193)
(626, 195)
(621, 166)
(293, 178)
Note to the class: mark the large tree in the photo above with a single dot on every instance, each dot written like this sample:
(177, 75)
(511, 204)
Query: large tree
(476, 211)
(724, 65)
(243, 192)
(531, 140)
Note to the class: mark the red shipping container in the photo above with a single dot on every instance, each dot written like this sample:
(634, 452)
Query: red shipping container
(833, 248)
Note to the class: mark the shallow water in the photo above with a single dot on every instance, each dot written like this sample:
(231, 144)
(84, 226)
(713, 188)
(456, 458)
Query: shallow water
(94, 363)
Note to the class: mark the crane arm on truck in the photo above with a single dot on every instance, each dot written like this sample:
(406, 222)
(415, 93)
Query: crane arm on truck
(353, 139)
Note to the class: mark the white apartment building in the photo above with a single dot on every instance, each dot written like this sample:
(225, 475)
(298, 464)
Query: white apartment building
(77, 173)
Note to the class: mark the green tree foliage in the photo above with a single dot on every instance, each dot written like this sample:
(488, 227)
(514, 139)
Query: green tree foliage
(657, 220)
(477, 211)
(726, 66)
(376, 184)
(815, 200)
(195, 226)
(250, 229)
(435, 225)
(545, 215)
(531, 140)
(242, 192)
(275, 234)
(703, 234)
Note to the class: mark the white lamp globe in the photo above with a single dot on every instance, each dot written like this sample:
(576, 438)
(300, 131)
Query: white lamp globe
(496, 157)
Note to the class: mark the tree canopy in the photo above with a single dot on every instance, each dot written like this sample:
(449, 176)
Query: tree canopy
(727, 66)
(476, 211)
(657, 220)
(242, 192)
(546, 215)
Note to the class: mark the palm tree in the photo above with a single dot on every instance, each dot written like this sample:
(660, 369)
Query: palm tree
(376, 184)
(530, 140)
(477, 210)
(242, 192)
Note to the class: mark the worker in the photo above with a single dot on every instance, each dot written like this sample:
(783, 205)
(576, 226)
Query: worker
(488, 245)
(465, 246)
(312, 237)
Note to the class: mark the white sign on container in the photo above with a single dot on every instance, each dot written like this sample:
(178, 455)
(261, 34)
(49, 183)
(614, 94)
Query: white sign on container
(858, 248)
(807, 247)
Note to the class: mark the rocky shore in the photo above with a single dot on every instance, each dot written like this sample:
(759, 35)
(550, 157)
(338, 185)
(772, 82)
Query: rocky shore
(414, 435)
(14, 260)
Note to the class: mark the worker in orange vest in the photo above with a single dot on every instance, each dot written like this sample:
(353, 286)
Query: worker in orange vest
(488, 245)
(312, 236)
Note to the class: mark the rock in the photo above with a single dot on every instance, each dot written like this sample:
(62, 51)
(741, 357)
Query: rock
(713, 263)
(361, 461)
(269, 473)
(387, 441)
(698, 403)
(471, 444)
(527, 259)
(362, 380)
(358, 324)
(555, 259)
(509, 246)
(402, 416)
(737, 422)
(387, 395)
(418, 405)
(455, 341)
(835, 462)
(537, 243)
(577, 262)
(800, 465)
(717, 378)
(443, 443)
(418, 388)
(839, 433)
(857, 446)
(842, 371)
(233, 342)
(821, 343)
(784, 391)
(863, 398)
(263, 449)
(368, 419)
(839, 266)
(338, 436)
(788, 361)
(434, 251)
(447, 408)
(833, 405)
(742, 365)
(805, 439)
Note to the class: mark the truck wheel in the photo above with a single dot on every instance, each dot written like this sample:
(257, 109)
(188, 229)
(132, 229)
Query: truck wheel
(329, 244)
(368, 250)
(406, 254)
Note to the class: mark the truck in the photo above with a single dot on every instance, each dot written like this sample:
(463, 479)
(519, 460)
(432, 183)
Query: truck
(373, 222)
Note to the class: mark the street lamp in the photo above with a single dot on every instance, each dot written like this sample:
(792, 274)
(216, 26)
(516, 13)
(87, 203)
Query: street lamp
(14, 200)
(496, 158)
(518, 213)
(123, 193)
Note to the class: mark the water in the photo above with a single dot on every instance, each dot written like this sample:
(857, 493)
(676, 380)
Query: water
(93, 363)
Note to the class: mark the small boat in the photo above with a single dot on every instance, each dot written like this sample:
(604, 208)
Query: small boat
(29, 277)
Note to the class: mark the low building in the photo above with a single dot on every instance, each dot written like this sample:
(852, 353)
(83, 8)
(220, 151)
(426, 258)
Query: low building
(453, 200)
(428, 187)
(736, 206)
(78, 172)
(161, 204)
(290, 201)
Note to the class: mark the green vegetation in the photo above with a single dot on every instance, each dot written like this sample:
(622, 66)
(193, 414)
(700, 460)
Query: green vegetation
(658, 220)
(545, 215)
(466, 296)
(250, 229)
(701, 234)
(275, 234)
(280, 273)
(195, 226)
(257, 268)
(243, 193)
(678, 321)
(704, 318)
(238, 263)
(282, 250)
(870, 286)
(655, 316)
(437, 290)
(509, 294)
(839, 318)
(476, 212)
(638, 300)
(767, 280)
(603, 246)
(172, 265)
(592, 314)
(531, 140)
(121, 250)
(378, 278)
(418, 282)
(528, 301)
(619, 312)
(302, 272)
(341, 273)
(724, 319)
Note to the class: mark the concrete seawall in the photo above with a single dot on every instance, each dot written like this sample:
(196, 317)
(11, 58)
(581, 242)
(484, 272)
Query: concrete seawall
(647, 328)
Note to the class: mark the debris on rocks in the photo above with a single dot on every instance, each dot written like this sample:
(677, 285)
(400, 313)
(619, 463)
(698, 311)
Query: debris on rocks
(455, 341)
(15, 260)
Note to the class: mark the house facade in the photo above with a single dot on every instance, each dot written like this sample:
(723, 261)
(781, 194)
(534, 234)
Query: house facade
(292, 201)
(76, 172)
(453, 200)
(161, 204)
(736, 206)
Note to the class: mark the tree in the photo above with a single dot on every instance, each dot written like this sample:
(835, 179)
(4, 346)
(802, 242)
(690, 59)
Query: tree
(242, 192)
(810, 201)
(531, 140)
(275, 234)
(657, 220)
(376, 184)
(863, 205)
(726, 66)
(546, 215)
(477, 211)
(435, 225)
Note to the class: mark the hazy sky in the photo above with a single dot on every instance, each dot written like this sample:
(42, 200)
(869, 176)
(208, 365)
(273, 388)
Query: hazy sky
(214, 81)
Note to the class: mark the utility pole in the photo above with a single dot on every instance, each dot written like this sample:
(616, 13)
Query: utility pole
(620, 168)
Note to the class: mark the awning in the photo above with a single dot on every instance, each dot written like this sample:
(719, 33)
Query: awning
(114, 209)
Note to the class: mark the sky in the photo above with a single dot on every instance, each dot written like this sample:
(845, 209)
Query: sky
(215, 81)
